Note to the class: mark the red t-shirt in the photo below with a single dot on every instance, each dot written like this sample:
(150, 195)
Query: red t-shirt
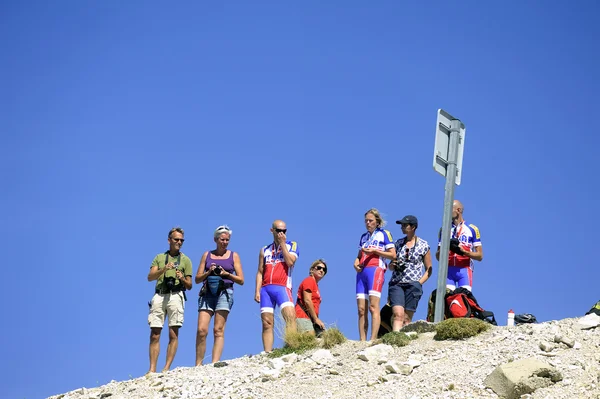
(308, 284)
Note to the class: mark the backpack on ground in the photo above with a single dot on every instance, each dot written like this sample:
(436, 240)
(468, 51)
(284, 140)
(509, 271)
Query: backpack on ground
(525, 318)
(431, 305)
(462, 303)
(595, 309)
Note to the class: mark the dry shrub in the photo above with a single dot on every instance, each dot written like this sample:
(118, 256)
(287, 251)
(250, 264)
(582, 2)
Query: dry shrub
(295, 342)
(332, 337)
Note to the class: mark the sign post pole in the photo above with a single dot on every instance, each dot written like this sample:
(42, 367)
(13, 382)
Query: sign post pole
(453, 148)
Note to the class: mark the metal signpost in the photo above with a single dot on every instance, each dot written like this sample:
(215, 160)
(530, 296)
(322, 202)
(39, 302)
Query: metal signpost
(447, 161)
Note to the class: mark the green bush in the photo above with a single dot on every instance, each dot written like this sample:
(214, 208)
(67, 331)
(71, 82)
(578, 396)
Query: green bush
(396, 339)
(459, 328)
(295, 342)
(332, 337)
(419, 326)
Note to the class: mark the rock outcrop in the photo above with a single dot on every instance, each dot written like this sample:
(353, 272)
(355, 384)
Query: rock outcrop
(556, 359)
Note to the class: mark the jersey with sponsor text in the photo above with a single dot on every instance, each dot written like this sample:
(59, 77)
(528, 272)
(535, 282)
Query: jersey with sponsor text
(469, 238)
(380, 239)
(275, 270)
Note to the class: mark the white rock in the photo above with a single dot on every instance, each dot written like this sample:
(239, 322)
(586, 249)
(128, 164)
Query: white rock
(270, 373)
(322, 356)
(276, 364)
(412, 363)
(577, 345)
(290, 358)
(375, 352)
(588, 321)
(546, 346)
(392, 367)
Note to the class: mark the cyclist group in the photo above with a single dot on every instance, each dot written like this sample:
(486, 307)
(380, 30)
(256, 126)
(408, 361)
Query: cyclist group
(409, 259)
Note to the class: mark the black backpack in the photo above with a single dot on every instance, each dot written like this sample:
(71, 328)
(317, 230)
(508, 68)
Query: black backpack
(595, 309)
(525, 318)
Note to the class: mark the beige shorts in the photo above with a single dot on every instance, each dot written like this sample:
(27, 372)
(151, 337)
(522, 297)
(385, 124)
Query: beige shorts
(304, 325)
(172, 305)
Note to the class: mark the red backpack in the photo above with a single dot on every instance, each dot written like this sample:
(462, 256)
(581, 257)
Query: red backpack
(462, 303)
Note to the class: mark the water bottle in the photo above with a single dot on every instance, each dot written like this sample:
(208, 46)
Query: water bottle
(511, 318)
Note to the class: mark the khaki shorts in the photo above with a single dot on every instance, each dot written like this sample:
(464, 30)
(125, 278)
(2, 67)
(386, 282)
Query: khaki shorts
(304, 325)
(172, 305)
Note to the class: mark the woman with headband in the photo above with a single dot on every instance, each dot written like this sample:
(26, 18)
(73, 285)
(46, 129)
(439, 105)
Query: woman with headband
(219, 269)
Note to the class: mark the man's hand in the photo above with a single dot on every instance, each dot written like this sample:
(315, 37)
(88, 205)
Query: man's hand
(179, 275)
(257, 296)
(320, 323)
(169, 266)
(281, 238)
(455, 247)
(358, 268)
(369, 251)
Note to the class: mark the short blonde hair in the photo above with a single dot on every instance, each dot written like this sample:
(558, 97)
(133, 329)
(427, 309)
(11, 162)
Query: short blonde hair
(176, 230)
(378, 218)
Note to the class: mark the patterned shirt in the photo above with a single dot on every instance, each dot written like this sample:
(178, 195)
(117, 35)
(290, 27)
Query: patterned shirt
(410, 261)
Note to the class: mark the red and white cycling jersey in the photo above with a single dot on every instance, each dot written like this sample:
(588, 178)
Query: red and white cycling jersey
(380, 239)
(275, 270)
(469, 238)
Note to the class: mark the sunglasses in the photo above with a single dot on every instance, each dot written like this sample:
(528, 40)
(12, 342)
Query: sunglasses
(321, 268)
(181, 240)
(281, 231)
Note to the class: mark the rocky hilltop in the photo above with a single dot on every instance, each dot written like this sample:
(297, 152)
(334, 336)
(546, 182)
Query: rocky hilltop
(556, 359)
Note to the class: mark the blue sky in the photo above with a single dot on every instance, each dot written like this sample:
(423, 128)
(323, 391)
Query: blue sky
(120, 120)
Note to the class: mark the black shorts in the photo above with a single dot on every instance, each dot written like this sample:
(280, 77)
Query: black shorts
(406, 295)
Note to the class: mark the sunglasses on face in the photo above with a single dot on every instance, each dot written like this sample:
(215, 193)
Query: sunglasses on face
(181, 240)
(281, 231)
(321, 268)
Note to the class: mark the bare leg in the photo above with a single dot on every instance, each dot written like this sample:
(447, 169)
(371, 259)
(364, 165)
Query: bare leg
(408, 315)
(172, 347)
(203, 322)
(219, 334)
(267, 331)
(154, 347)
(375, 316)
(398, 318)
(363, 320)
(289, 315)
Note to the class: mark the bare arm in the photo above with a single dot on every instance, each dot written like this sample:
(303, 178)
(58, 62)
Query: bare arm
(186, 280)
(389, 253)
(202, 273)
(307, 299)
(357, 265)
(428, 268)
(259, 275)
(155, 272)
(288, 257)
(238, 277)
(477, 254)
